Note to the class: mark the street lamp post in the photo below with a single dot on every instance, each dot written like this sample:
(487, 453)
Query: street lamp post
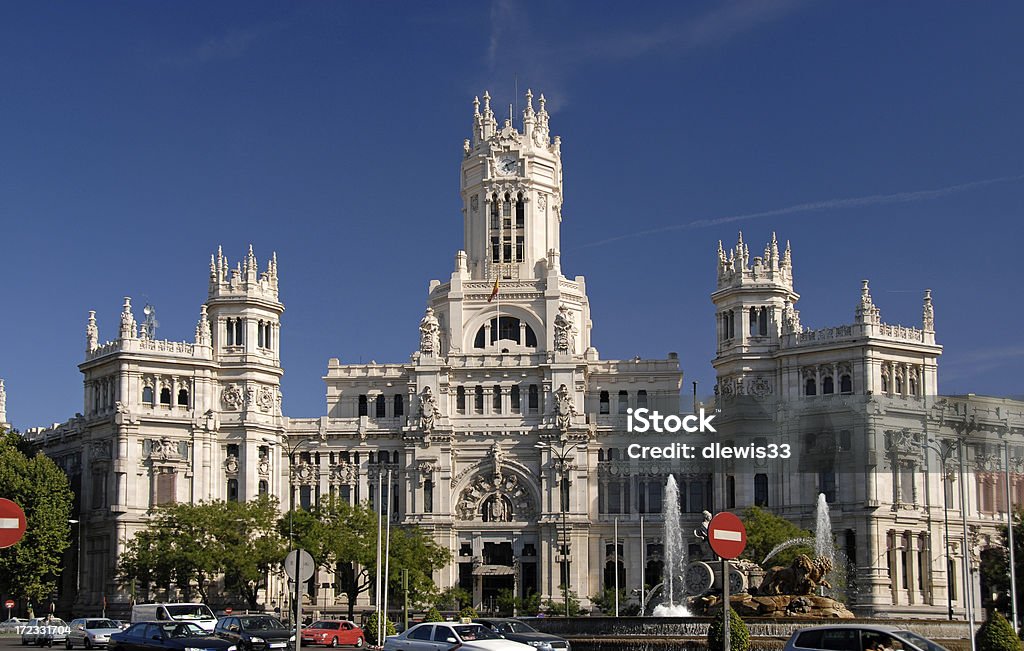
(78, 557)
(945, 452)
(294, 610)
(561, 455)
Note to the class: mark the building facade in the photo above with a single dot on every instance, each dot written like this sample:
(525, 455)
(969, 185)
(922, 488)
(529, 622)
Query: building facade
(504, 435)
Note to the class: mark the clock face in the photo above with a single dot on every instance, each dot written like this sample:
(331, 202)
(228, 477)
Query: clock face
(508, 165)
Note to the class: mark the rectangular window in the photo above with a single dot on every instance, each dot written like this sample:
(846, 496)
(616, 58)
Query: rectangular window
(520, 248)
(362, 405)
(165, 488)
(99, 491)
(478, 402)
(496, 399)
(428, 496)
(514, 397)
(623, 402)
(534, 399)
(460, 399)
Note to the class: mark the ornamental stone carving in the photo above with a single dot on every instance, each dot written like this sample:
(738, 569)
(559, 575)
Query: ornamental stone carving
(345, 473)
(303, 472)
(232, 397)
(428, 410)
(263, 467)
(564, 340)
(231, 465)
(203, 335)
(760, 387)
(424, 469)
(92, 333)
(565, 411)
(128, 329)
(430, 334)
(490, 501)
(265, 399)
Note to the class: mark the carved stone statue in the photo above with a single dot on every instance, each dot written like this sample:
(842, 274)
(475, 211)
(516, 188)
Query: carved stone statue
(203, 328)
(128, 330)
(564, 340)
(803, 577)
(428, 410)
(92, 333)
(499, 458)
(430, 334)
(564, 408)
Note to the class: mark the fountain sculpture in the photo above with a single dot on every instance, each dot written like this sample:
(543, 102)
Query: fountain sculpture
(675, 557)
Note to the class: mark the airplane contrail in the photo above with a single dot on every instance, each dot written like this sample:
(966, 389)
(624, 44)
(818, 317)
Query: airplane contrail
(828, 204)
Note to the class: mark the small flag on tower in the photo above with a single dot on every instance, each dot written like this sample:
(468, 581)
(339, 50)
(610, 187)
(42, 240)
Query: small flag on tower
(494, 291)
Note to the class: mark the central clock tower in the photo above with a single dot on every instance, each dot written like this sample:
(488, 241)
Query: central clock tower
(512, 194)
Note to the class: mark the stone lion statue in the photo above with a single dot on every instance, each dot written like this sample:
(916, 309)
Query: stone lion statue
(803, 577)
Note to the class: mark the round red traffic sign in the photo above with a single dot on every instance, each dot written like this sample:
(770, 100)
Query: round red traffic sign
(228, 611)
(9, 604)
(12, 523)
(727, 535)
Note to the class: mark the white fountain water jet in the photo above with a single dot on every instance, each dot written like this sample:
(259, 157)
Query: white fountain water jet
(675, 556)
(823, 546)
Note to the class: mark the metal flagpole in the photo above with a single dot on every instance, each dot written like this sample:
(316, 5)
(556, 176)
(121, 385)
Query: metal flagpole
(643, 567)
(1009, 528)
(377, 595)
(387, 555)
(616, 567)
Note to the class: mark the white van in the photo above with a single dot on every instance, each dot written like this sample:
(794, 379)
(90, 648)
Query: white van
(197, 613)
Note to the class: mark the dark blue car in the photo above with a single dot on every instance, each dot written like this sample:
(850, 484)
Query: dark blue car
(167, 636)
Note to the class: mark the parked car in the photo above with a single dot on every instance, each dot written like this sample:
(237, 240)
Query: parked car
(11, 625)
(442, 636)
(859, 636)
(91, 632)
(44, 630)
(121, 624)
(254, 632)
(333, 632)
(167, 636)
(517, 631)
(175, 612)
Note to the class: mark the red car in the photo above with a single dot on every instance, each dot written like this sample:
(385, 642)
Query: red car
(333, 633)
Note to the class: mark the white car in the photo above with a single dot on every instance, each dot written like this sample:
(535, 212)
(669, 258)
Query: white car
(91, 632)
(12, 624)
(443, 636)
(859, 636)
(44, 630)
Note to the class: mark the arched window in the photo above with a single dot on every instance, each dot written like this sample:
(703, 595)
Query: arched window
(267, 336)
(605, 404)
(623, 401)
(641, 398)
(495, 218)
(362, 405)
(460, 399)
(239, 332)
(384, 457)
(899, 385)
(613, 454)
(230, 332)
(232, 490)
(753, 322)
(761, 489)
(762, 322)
(183, 397)
(845, 383)
(165, 396)
(534, 399)
(600, 454)
(885, 383)
(147, 395)
(827, 386)
(380, 408)
(810, 387)
(428, 496)
(260, 334)
(478, 399)
(507, 328)
(520, 212)
(912, 386)
(264, 487)
(399, 405)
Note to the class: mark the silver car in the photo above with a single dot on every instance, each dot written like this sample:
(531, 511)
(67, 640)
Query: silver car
(859, 637)
(44, 630)
(91, 632)
(445, 636)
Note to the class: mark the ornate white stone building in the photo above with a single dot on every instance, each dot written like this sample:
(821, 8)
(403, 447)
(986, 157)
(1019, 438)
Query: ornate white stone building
(503, 435)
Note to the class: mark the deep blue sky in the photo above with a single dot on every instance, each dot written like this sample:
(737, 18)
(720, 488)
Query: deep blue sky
(136, 137)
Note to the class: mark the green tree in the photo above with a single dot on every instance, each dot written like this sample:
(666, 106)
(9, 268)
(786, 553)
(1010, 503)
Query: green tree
(469, 612)
(342, 538)
(370, 629)
(994, 568)
(606, 601)
(739, 636)
(194, 543)
(33, 482)
(454, 598)
(433, 615)
(765, 531)
(996, 634)
(557, 608)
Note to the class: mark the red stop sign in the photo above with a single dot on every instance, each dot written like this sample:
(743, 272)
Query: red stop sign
(228, 611)
(727, 535)
(9, 604)
(12, 523)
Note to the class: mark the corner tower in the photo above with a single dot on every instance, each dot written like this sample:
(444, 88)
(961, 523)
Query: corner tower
(512, 194)
(754, 306)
